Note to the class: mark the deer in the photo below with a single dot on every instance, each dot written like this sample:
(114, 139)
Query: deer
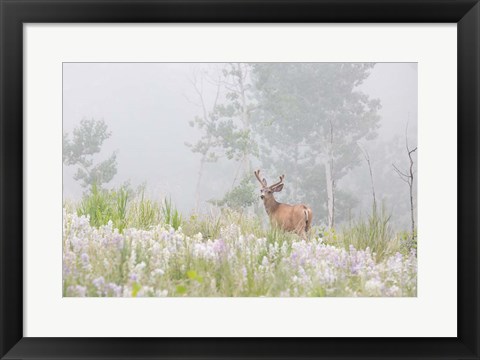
(290, 218)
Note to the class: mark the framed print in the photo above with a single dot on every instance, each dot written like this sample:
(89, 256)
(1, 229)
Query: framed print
(237, 179)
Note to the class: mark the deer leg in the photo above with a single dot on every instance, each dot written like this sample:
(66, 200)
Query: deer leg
(306, 213)
(300, 229)
(304, 235)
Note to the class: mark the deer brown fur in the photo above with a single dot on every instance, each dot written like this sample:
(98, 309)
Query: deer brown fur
(292, 218)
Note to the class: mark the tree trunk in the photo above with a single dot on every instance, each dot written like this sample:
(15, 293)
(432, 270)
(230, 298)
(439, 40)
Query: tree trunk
(295, 174)
(199, 179)
(411, 210)
(244, 116)
(330, 194)
(367, 158)
(246, 165)
(411, 183)
(330, 182)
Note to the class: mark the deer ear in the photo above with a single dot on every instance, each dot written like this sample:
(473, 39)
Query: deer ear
(264, 182)
(278, 188)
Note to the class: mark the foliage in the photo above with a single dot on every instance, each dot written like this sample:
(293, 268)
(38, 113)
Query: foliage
(81, 150)
(225, 127)
(225, 124)
(241, 196)
(408, 240)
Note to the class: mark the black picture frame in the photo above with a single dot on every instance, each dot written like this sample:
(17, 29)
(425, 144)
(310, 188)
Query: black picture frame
(14, 13)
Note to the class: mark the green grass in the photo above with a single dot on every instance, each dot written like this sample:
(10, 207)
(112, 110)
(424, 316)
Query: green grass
(144, 213)
(374, 232)
(103, 206)
(128, 211)
(171, 216)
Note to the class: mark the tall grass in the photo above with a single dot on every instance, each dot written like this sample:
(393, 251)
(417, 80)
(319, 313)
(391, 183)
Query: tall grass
(144, 213)
(171, 215)
(374, 232)
(209, 225)
(120, 207)
(103, 206)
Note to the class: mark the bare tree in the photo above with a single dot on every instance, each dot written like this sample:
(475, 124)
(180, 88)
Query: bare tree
(408, 177)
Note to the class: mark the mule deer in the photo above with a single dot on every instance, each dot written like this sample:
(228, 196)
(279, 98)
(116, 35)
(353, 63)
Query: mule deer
(292, 218)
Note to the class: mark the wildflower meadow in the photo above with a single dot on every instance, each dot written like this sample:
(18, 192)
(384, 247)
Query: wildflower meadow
(151, 250)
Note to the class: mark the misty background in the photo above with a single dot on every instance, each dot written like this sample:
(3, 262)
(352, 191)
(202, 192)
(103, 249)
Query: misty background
(160, 116)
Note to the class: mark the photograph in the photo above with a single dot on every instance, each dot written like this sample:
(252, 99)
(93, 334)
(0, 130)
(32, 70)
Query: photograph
(270, 179)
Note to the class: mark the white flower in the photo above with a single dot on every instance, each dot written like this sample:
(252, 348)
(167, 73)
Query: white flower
(158, 272)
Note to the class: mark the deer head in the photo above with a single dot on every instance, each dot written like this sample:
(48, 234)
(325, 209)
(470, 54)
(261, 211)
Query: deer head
(296, 218)
(266, 192)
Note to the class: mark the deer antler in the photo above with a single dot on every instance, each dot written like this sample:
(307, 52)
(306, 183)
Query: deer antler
(263, 182)
(278, 183)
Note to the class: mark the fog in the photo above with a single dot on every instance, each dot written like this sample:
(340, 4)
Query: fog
(148, 108)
